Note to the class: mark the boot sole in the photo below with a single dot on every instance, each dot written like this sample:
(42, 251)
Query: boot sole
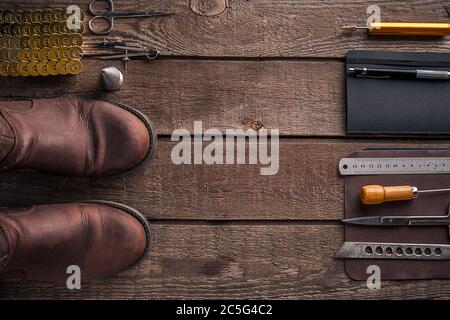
(135, 214)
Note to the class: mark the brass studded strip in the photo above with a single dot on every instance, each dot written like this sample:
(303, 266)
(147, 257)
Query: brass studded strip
(39, 43)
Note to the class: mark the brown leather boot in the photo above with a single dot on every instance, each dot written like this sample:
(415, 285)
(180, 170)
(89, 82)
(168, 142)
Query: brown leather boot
(73, 137)
(41, 242)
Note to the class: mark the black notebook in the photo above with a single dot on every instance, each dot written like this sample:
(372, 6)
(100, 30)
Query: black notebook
(395, 106)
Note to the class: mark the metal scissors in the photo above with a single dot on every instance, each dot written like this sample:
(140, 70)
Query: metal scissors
(110, 15)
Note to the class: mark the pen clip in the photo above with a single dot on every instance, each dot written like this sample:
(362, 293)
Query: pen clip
(372, 77)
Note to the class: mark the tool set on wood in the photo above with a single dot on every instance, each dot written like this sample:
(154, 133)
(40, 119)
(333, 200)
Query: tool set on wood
(397, 200)
(386, 220)
(43, 42)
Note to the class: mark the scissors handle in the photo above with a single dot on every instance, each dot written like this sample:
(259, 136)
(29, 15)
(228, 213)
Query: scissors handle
(96, 19)
(108, 10)
(109, 15)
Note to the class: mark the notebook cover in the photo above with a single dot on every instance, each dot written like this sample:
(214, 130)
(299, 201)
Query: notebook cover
(393, 106)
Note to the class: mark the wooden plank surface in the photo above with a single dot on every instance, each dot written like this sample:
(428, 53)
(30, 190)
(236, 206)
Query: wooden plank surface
(266, 28)
(287, 261)
(227, 231)
(307, 186)
(297, 97)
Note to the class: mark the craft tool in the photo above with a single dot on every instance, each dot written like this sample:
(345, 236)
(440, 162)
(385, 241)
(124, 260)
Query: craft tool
(433, 29)
(110, 44)
(111, 79)
(110, 15)
(375, 194)
(128, 50)
(136, 53)
(393, 166)
(398, 251)
(411, 74)
(399, 221)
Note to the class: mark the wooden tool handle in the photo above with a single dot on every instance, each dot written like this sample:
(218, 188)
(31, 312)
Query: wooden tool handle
(409, 29)
(372, 195)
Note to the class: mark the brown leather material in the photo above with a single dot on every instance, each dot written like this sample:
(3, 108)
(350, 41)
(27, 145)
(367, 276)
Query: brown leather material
(6, 139)
(3, 248)
(75, 137)
(43, 241)
(433, 204)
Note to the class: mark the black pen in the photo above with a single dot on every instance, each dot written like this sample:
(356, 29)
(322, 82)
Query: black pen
(385, 73)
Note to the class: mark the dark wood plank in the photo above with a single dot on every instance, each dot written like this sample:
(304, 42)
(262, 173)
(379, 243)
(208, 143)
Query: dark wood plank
(228, 256)
(270, 28)
(297, 97)
(307, 186)
(237, 261)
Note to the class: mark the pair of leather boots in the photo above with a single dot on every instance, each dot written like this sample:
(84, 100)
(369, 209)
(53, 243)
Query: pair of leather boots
(73, 138)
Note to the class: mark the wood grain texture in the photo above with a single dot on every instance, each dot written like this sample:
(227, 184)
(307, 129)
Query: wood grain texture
(266, 28)
(227, 231)
(236, 261)
(307, 186)
(297, 97)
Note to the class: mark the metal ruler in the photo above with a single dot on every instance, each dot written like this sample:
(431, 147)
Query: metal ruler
(390, 166)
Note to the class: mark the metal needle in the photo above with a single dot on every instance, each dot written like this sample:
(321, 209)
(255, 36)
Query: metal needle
(353, 27)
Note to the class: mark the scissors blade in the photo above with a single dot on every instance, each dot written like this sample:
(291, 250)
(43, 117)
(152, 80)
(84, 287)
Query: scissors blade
(138, 14)
(396, 221)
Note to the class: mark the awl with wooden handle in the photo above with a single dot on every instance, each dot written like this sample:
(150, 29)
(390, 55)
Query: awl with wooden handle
(433, 29)
(374, 194)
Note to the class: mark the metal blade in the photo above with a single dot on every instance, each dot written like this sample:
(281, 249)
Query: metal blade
(398, 251)
(397, 221)
(433, 191)
(138, 14)
(367, 221)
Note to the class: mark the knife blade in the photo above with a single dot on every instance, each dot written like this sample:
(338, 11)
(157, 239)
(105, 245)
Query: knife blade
(395, 221)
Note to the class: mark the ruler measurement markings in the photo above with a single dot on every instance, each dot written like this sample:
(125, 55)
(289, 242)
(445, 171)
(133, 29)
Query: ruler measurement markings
(385, 166)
